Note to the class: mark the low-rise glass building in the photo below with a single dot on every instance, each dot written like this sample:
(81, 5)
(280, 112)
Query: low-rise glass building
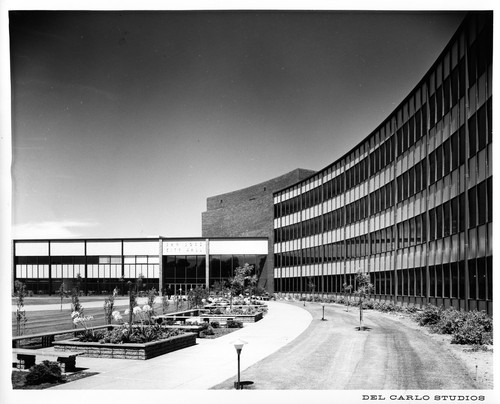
(166, 264)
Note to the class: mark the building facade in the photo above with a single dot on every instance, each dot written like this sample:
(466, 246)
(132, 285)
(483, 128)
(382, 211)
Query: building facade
(248, 212)
(166, 264)
(412, 203)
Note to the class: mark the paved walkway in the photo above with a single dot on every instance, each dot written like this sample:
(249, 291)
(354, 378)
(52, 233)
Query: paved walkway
(201, 366)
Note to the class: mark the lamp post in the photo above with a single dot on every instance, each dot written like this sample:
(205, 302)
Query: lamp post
(323, 318)
(238, 345)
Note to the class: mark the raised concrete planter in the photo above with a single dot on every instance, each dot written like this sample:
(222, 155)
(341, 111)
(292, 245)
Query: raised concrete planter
(244, 318)
(186, 315)
(144, 351)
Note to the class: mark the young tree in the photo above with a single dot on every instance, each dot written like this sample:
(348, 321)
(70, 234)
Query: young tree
(347, 293)
(122, 285)
(151, 300)
(242, 282)
(109, 306)
(311, 287)
(197, 296)
(364, 288)
(164, 303)
(20, 293)
(75, 296)
(62, 293)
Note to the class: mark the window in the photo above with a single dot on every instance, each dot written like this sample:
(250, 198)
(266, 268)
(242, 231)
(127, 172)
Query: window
(446, 280)
(432, 281)
(482, 131)
(439, 163)
(454, 151)
(439, 222)
(446, 95)
(447, 219)
(447, 156)
(432, 167)
(432, 108)
(490, 199)
(472, 279)
(418, 179)
(432, 224)
(472, 135)
(461, 136)
(454, 215)
(454, 86)
(472, 208)
(439, 104)
(482, 202)
(481, 278)
(461, 78)
(439, 281)
(461, 207)
(472, 60)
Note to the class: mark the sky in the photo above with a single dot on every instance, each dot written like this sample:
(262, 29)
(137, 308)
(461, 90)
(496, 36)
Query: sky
(124, 123)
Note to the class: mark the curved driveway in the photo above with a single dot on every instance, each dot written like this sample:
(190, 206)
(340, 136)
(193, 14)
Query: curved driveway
(333, 354)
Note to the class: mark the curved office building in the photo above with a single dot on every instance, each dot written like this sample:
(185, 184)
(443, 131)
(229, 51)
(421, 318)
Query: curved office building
(412, 203)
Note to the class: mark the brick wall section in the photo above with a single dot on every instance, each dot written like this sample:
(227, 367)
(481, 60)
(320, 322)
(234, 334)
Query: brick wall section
(249, 212)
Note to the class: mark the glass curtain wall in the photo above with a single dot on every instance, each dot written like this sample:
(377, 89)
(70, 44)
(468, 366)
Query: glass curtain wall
(411, 204)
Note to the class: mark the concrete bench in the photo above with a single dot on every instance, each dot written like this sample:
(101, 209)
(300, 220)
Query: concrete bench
(26, 358)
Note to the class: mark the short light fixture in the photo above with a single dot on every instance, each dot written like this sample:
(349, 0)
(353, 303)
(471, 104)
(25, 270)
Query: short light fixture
(238, 345)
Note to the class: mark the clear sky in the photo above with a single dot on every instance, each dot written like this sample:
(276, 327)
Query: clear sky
(123, 123)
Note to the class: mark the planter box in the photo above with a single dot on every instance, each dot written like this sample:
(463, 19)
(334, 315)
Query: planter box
(183, 316)
(244, 318)
(127, 351)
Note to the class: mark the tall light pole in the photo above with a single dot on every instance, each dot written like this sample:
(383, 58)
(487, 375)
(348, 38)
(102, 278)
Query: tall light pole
(238, 345)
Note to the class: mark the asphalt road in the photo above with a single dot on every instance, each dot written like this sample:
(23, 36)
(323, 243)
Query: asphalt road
(334, 355)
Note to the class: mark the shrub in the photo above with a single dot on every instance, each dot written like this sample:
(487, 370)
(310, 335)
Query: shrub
(369, 304)
(215, 324)
(429, 315)
(450, 321)
(387, 307)
(234, 324)
(208, 330)
(476, 329)
(410, 309)
(45, 372)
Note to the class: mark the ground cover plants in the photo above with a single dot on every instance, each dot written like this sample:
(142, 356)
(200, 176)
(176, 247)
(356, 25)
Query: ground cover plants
(466, 327)
(44, 375)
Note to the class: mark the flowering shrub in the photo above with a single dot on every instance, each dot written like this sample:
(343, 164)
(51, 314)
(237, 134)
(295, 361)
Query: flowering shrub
(145, 332)
(86, 322)
(124, 334)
